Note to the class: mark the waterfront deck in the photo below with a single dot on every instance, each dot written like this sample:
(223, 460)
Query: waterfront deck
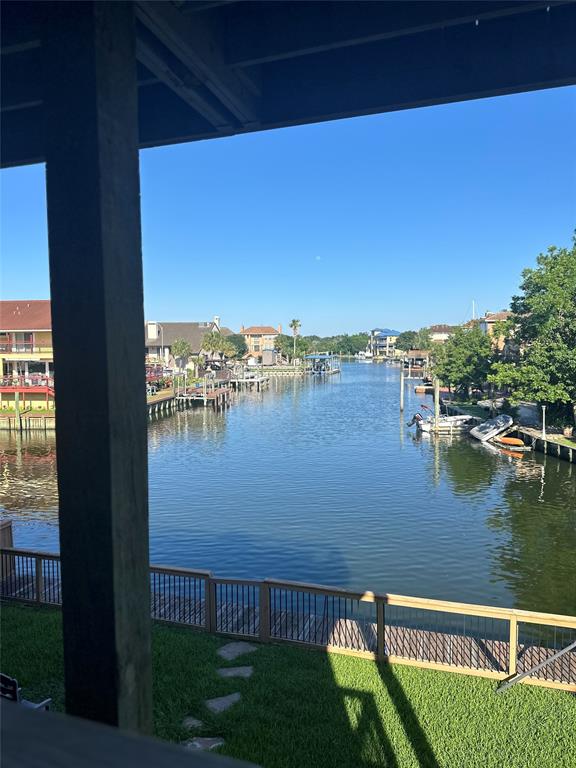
(478, 640)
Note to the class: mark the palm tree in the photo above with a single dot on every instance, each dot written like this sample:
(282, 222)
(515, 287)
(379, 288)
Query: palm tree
(181, 350)
(295, 325)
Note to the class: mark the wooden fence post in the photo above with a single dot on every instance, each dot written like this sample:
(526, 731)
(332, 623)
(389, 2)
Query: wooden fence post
(513, 647)
(381, 651)
(39, 580)
(264, 613)
(210, 607)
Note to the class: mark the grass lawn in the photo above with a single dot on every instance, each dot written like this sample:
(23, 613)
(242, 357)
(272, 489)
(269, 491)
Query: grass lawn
(303, 709)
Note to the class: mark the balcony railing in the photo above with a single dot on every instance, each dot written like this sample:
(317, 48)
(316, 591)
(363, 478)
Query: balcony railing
(24, 346)
(32, 380)
(491, 642)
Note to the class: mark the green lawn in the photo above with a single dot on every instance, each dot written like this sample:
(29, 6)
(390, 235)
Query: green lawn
(303, 709)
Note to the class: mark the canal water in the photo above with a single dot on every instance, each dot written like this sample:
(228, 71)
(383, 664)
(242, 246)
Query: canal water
(321, 481)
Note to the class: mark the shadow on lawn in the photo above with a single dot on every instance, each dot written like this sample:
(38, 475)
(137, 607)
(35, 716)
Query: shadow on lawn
(414, 732)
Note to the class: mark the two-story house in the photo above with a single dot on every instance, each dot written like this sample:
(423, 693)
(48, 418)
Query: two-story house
(159, 337)
(26, 339)
(260, 338)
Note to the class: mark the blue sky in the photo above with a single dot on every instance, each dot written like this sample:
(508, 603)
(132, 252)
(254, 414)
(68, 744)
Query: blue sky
(397, 220)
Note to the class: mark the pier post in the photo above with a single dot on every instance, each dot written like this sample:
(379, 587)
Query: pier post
(436, 402)
(402, 389)
(93, 195)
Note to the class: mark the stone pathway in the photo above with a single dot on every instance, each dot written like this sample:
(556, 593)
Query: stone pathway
(235, 671)
(228, 652)
(231, 651)
(192, 723)
(222, 703)
(205, 743)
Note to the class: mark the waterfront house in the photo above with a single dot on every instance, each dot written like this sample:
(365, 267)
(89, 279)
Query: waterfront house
(26, 355)
(160, 336)
(26, 338)
(440, 333)
(382, 342)
(260, 338)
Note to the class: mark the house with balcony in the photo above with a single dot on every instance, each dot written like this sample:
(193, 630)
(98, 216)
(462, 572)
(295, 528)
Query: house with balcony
(260, 338)
(26, 355)
(26, 339)
(382, 342)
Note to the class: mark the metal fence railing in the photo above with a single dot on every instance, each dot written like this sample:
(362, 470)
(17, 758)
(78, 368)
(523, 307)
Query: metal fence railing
(498, 643)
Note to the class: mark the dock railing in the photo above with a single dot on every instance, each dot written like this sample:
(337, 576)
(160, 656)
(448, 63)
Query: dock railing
(481, 640)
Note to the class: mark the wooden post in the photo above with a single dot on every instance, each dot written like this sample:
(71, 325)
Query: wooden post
(39, 580)
(264, 632)
(381, 650)
(210, 607)
(93, 195)
(402, 388)
(436, 402)
(513, 646)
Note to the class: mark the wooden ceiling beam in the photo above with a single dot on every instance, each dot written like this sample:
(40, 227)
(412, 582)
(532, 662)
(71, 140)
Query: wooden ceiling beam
(176, 77)
(191, 40)
(288, 30)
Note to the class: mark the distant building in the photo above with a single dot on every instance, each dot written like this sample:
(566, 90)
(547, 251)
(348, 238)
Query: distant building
(26, 355)
(260, 338)
(160, 336)
(440, 333)
(487, 323)
(490, 318)
(382, 342)
(26, 339)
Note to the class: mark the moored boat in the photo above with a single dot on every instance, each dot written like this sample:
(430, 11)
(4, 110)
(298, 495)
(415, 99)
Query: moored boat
(444, 424)
(492, 427)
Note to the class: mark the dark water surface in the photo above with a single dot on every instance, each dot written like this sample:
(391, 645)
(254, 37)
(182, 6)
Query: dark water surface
(321, 481)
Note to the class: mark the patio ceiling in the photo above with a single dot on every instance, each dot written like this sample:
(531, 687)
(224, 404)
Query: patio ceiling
(209, 69)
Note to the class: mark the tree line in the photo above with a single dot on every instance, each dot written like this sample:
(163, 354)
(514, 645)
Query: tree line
(532, 355)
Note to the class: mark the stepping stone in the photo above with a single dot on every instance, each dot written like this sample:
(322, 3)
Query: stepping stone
(235, 671)
(222, 703)
(231, 651)
(191, 723)
(205, 743)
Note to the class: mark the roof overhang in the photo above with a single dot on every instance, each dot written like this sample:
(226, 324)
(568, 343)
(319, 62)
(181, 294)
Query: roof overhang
(211, 69)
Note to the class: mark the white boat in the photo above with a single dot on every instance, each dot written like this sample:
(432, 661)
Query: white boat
(364, 357)
(489, 429)
(446, 424)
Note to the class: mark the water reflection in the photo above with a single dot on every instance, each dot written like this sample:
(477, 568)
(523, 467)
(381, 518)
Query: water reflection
(537, 556)
(321, 481)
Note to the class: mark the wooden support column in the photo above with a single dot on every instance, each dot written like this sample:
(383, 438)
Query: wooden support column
(98, 331)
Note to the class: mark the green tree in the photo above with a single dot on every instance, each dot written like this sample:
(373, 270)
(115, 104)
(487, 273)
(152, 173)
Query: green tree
(422, 339)
(284, 344)
(464, 360)
(406, 340)
(295, 326)
(239, 343)
(543, 326)
(212, 342)
(181, 351)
